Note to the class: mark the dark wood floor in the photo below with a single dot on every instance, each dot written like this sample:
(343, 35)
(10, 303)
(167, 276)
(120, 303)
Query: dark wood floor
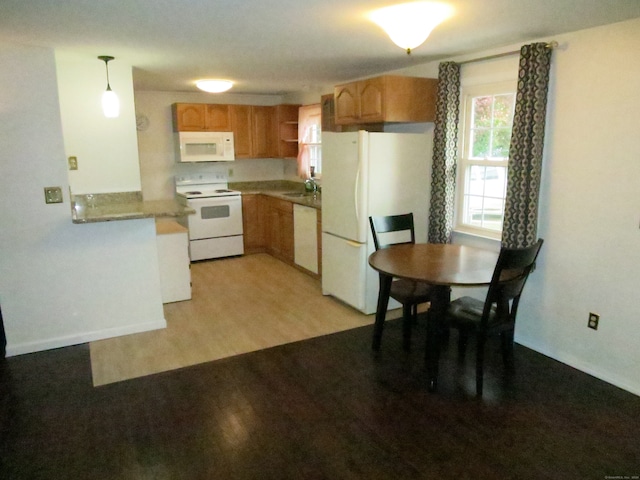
(324, 408)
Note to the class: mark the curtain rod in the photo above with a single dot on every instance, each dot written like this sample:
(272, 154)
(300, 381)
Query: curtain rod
(553, 44)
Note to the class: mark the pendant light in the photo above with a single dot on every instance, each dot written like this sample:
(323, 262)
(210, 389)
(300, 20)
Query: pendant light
(409, 24)
(110, 102)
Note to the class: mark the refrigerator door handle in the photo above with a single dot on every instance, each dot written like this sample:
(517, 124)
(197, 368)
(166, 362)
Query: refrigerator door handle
(353, 244)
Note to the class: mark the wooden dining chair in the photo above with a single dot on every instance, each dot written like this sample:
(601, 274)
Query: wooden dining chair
(497, 313)
(394, 230)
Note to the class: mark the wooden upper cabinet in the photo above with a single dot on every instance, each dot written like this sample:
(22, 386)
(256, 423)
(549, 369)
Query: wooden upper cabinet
(389, 98)
(254, 130)
(263, 132)
(328, 113)
(254, 127)
(347, 105)
(240, 116)
(188, 117)
(286, 120)
(217, 118)
(200, 117)
(371, 97)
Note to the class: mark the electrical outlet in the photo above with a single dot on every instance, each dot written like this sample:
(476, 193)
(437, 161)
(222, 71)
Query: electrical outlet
(231, 172)
(594, 318)
(73, 163)
(53, 194)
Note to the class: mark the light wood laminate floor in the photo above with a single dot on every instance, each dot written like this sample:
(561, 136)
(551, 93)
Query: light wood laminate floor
(238, 305)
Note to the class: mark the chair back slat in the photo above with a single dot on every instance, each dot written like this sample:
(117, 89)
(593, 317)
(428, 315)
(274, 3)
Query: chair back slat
(390, 224)
(509, 278)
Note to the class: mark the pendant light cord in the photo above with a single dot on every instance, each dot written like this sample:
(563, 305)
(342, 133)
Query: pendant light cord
(106, 59)
(106, 66)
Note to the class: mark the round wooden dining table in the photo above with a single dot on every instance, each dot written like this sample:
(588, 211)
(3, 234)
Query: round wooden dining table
(440, 265)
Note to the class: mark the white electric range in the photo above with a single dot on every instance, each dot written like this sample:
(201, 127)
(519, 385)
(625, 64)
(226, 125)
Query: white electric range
(215, 230)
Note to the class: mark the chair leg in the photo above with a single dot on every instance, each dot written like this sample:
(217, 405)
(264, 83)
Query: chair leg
(506, 340)
(480, 364)
(407, 321)
(381, 311)
(463, 337)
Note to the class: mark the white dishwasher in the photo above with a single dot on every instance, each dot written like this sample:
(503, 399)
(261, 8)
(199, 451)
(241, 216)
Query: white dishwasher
(305, 237)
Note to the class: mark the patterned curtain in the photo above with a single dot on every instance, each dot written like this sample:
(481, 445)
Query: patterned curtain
(445, 151)
(525, 153)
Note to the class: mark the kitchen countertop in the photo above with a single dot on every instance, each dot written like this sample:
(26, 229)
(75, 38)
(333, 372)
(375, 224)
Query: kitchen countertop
(281, 189)
(107, 207)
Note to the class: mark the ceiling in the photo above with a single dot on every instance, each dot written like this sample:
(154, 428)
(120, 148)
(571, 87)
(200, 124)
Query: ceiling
(280, 46)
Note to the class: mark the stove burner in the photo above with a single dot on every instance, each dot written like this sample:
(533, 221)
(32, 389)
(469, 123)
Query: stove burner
(195, 192)
(223, 191)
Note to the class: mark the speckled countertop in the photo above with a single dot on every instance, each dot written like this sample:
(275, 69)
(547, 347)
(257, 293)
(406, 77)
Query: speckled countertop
(285, 190)
(107, 207)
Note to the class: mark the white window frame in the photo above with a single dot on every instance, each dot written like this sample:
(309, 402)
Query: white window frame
(464, 158)
(310, 134)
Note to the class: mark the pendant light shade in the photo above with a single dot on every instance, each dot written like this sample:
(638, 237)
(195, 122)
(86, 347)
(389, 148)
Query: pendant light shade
(110, 104)
(409, 24)
(110, 101)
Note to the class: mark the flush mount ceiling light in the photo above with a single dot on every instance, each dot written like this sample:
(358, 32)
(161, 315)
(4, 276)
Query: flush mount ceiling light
(409, 24)
(214, 86)
(110, 102)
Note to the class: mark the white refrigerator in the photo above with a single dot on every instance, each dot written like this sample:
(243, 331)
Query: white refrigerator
(363, 174)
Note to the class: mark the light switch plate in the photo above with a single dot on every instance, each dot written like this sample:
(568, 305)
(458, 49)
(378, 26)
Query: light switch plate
(53, 194)
(73, 163)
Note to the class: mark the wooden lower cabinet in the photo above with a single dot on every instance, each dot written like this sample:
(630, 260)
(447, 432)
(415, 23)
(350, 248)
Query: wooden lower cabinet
(253, 223)
(268, 225)
(280, 229)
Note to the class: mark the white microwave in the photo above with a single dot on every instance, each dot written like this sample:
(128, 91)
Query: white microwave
(205, 147)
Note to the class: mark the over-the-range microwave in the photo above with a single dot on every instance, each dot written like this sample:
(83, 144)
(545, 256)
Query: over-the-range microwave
(205, 147)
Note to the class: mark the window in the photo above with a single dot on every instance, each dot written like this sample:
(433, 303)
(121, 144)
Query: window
(310, 138)
(484, 156)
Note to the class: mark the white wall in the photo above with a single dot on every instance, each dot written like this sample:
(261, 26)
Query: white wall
(60, 283)
(106, 148)
(308, 97)
(156, 144)
(590, 209)
(590, 203)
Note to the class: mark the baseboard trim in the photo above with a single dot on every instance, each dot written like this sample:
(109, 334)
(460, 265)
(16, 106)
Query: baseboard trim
(67, 341)
(578, 364)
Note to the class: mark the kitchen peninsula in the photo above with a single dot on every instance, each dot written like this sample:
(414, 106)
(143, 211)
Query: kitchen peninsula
(106, 207)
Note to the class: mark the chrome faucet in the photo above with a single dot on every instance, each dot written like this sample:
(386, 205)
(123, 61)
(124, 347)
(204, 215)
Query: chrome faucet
(310, 184)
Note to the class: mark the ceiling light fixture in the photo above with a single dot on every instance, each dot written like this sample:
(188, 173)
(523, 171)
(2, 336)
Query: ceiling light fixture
(409, 24)
(110, 102)
(214, 86)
